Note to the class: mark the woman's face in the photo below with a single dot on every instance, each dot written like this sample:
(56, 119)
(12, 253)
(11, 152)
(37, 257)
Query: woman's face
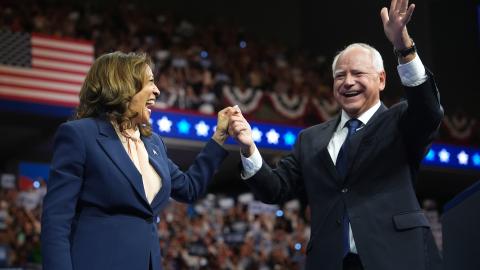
(143, 100)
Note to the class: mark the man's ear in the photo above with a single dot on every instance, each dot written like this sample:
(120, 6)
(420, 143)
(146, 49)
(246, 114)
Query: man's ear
(383, 79)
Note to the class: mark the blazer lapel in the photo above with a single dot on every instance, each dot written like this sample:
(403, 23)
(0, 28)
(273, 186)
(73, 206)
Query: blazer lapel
(153, 156)
(160, 167)
(321, 145)
(110, 143)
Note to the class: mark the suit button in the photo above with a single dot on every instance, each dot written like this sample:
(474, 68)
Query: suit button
(344, 190)
(339, 222)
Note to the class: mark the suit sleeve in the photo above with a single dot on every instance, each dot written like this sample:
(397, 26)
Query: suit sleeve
(63, 188)
(190, 185)
(282, 183)
(422, 119)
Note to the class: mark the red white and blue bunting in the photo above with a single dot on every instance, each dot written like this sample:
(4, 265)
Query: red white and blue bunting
(248, 100)
(292, 107)
(460, 127)
(325, 108)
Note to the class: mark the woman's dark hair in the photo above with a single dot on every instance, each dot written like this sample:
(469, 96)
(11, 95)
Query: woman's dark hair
(109, 86)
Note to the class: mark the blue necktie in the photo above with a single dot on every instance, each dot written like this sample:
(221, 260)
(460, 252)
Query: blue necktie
(342, 166)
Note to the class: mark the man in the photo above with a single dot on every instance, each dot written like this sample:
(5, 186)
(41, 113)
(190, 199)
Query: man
(358, 171)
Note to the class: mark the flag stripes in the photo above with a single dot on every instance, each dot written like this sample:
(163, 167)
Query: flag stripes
(43, 69)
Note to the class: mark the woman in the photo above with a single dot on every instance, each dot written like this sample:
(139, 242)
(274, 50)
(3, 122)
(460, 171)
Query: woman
(110, 175)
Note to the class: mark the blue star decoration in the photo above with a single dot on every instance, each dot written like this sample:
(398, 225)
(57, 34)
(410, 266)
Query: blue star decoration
(183, 126)
(289, 138)
(476, 159)
(430, 156)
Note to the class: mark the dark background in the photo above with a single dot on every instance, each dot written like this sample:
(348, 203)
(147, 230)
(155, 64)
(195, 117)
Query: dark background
(446, 34)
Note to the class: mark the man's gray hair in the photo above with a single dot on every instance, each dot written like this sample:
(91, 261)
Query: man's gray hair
(377, 60)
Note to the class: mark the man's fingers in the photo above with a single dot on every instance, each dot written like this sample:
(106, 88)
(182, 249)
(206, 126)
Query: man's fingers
(224, 111)
(403, 6)
(409, 13)
(393, 5)
(384, 15)
(236, 108)
(237, 117)
(238, 126)
(231, 109)
(237, 123)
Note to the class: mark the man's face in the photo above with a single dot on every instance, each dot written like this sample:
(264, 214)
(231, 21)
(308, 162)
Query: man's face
(356, 83)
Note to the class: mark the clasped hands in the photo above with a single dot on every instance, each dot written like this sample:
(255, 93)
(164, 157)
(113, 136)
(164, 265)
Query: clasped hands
(230, 122)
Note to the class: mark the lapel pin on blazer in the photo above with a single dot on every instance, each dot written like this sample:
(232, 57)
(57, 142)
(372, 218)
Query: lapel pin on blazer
(154, 152)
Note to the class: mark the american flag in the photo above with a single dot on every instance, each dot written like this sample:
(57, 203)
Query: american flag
(37, 68)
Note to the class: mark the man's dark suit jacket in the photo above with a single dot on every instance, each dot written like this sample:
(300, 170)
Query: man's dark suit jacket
(96, 214)
(389, 227)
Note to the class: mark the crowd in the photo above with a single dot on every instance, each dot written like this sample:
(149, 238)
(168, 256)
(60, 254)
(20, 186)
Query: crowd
(217, 232)
(224, 234)
(205, 66)
(20, 212)
(193, 62)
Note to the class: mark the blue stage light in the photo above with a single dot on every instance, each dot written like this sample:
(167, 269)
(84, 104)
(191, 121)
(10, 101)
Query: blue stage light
(430, 156)
(289, 138)
(183, 127)
(476, 159)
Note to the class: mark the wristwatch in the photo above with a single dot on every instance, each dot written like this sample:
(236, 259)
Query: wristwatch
(406, 51)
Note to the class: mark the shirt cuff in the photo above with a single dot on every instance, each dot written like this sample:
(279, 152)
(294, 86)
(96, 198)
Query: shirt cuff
(412, 73)
(251, 165)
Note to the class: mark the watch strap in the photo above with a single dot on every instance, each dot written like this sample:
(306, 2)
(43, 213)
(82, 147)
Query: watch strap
(406, 51)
